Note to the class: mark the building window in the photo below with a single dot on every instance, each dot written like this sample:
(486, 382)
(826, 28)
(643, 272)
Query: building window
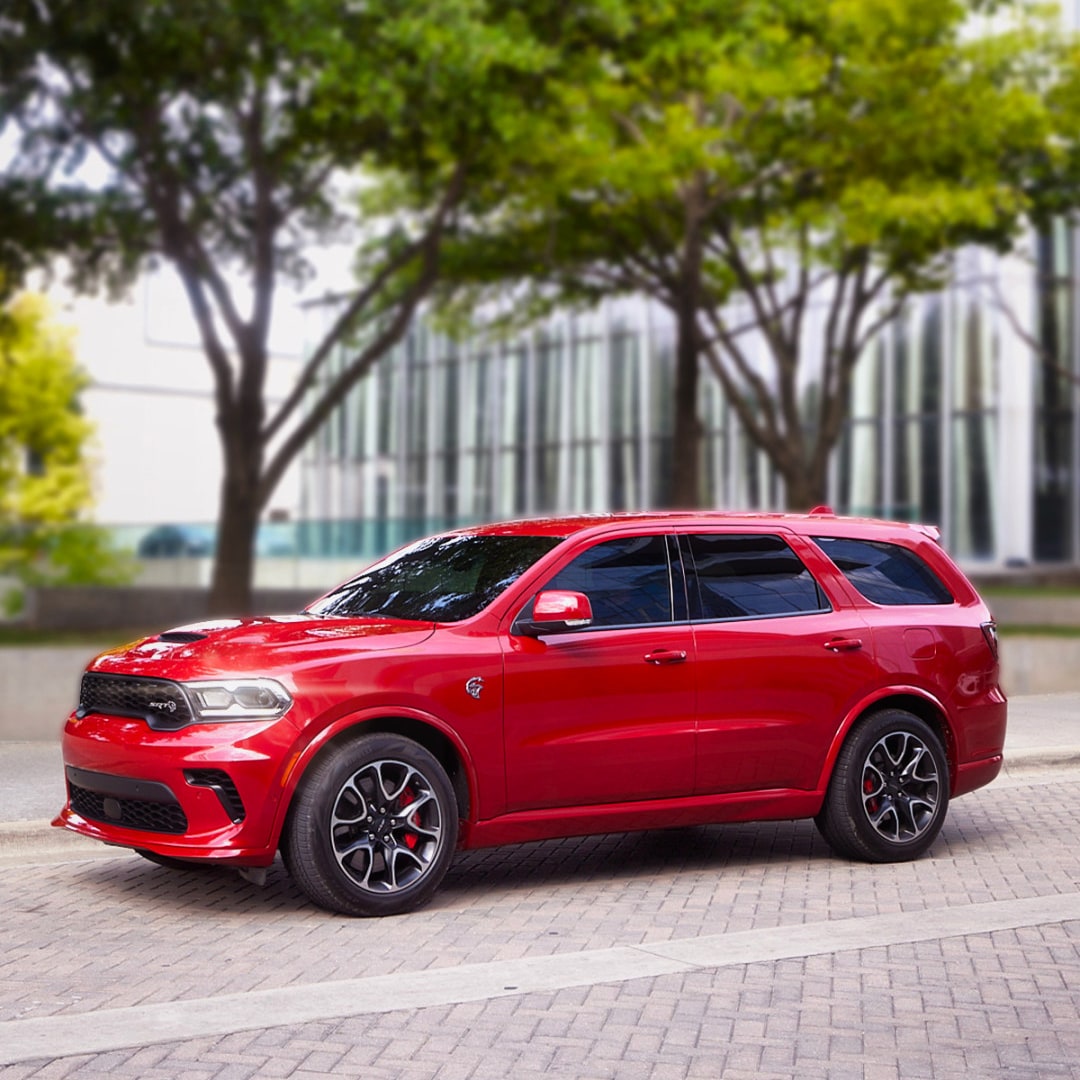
(1055, 398)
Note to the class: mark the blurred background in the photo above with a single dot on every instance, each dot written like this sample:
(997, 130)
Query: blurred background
(325, 279)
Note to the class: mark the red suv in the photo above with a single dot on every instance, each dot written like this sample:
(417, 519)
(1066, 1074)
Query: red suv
(552, 678)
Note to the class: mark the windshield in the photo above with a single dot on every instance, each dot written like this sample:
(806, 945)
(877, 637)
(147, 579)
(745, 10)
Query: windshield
(444, 578)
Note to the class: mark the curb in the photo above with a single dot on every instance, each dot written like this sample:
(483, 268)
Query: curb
(41, 838)
(1036, 759)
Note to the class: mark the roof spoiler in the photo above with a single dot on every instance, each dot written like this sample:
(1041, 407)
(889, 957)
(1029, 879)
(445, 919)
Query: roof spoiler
(928, 530)
(932, 531)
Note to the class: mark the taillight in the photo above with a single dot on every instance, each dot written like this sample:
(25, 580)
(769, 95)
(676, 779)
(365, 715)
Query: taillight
(989, 630)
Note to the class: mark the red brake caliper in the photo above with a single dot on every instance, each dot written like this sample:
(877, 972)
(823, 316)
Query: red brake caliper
(411, 839)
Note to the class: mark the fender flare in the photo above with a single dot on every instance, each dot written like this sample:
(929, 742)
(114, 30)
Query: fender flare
(303, 754)
(867, 704)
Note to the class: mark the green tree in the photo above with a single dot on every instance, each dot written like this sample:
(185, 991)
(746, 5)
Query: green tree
(223, 130)
(747, 163)
(45, 482)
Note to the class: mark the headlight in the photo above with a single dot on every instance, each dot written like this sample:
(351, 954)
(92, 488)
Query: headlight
(238, 699)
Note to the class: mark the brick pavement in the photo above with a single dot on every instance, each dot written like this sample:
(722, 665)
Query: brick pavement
(113, 933)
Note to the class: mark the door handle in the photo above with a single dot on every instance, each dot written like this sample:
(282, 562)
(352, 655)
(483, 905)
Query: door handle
(844, 644)
(666, 656)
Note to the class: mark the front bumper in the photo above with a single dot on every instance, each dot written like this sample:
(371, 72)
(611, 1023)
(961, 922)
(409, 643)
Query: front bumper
(210, 791)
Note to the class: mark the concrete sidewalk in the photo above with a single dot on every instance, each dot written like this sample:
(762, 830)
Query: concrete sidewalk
(1044, 732)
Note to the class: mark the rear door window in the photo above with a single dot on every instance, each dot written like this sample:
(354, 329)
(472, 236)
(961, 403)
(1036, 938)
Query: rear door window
(739, 577)
(884, 573)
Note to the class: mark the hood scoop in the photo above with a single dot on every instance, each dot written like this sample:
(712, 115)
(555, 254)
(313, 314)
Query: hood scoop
(200, 631)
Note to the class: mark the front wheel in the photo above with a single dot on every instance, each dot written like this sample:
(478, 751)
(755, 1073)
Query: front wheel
(372, 828)
(889, 792)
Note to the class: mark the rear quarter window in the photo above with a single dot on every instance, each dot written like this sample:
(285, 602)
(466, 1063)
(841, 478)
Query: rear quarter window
(884, 573)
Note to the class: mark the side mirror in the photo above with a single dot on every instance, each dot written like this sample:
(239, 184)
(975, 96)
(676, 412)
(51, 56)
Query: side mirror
(554, 612)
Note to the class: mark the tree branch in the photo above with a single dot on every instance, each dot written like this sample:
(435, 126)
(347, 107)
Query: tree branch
(353, 371)
(428, 248)
(451, 197)
(212, 345)
(830, 348)
(756, 410)
(182, 244)
(733, 256)
(1033, 343)
(266, 223)
(804, 286)
(848, 352)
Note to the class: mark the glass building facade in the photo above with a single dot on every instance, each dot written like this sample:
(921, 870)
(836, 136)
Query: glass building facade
(962, 414)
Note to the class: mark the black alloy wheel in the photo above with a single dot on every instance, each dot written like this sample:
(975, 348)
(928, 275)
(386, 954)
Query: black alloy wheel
(889, 791)
(372, 828)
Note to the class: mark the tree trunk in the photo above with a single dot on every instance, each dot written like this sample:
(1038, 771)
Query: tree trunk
(231, 588)
(686, 449)
(234, 558)
(804, 487)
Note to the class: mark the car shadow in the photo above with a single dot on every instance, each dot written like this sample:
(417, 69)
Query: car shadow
(488, 877)
(610, 858)
(619, 857)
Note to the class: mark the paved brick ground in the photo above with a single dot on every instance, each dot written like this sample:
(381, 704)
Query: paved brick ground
(76, 937)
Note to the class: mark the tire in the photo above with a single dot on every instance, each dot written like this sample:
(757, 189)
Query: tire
(372, 828)
(889, 791)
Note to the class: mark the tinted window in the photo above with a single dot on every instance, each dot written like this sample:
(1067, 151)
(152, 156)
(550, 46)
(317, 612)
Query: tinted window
(742, 576)
(444, 578)
(627, 581)
(885, 573)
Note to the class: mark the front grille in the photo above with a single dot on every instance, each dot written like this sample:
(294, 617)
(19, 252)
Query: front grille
(221, 784)
(160, 702)
(131, 813)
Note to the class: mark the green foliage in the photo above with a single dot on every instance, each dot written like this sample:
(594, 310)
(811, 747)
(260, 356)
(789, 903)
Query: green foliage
(789, 153)
(1054, 188)
(45, 486)
(226, 120)
(221, 135)
(43, 475)
(857, 123)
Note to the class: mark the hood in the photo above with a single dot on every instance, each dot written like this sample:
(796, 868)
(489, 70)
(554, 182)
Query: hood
(259, 645)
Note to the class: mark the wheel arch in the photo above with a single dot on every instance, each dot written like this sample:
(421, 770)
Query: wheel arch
(910, 699)
(423, 730)
(434, 740)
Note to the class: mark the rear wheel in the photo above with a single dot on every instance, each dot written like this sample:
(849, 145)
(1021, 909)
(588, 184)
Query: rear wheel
(889, 792)
(372, 828)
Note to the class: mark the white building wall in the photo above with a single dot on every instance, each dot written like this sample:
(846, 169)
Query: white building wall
(151, 400)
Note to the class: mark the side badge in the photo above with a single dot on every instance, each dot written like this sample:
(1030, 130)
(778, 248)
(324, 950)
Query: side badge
(474, 686)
